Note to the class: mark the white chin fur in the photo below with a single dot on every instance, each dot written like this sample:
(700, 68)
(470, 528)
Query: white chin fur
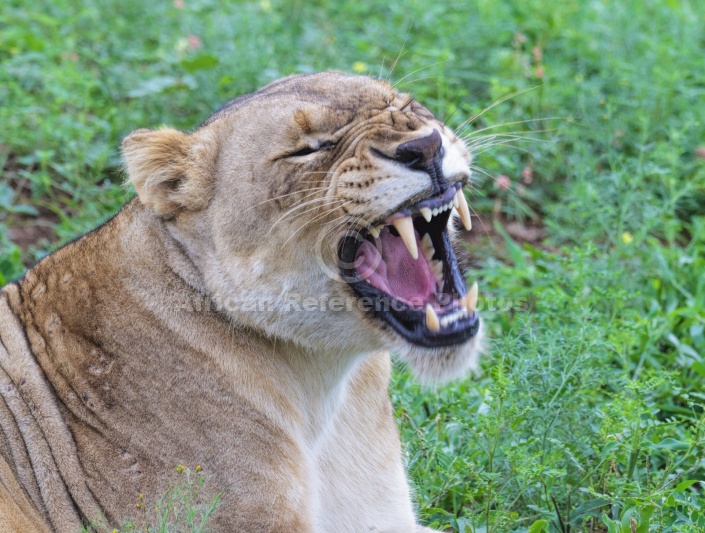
(435, 366)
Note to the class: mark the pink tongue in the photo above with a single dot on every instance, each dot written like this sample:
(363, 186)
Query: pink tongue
(394, 271)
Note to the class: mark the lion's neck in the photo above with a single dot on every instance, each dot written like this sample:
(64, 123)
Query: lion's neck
(313, 380)
(318, 381)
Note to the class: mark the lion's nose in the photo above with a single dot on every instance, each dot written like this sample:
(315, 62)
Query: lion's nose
(420, 153)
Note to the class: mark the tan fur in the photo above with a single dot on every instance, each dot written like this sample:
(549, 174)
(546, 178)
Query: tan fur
(144, 344)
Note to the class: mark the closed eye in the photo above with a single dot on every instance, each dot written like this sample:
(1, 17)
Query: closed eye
(307, 150)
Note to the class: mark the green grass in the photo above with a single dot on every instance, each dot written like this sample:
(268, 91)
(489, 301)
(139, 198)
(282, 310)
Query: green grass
(183, 508)
(588, 415)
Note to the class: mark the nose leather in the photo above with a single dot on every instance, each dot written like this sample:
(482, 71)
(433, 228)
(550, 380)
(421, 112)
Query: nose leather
(419, 154)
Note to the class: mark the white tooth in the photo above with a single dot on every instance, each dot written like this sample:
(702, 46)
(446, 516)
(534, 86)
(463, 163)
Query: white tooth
(427, 247)
(450, 205)
(426, 213)
(470, 300)
(437, 267)
(374, 232)
(455, 201)
(432, 318)
(435, 212)
(463, 209)
(405, 228)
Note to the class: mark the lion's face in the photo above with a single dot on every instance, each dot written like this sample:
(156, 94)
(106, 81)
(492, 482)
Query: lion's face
(319, 210)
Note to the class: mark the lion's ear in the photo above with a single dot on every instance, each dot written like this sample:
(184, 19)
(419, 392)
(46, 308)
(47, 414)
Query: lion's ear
(171, 170)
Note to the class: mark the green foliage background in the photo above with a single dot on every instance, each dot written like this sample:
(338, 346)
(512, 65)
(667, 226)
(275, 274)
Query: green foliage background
(588, 415)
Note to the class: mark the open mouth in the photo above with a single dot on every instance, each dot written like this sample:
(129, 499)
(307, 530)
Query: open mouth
(406, 273)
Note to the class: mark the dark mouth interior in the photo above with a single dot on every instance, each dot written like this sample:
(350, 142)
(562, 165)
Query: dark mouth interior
(399, 288)
(386, 264)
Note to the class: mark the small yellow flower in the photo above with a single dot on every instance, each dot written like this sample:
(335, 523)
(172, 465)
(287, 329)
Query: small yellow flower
(602, 102)
(137, 505)
(627, 237)
(180, 468)
(198, 468)
(359, 67)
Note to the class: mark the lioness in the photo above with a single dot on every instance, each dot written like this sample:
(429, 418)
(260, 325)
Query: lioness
(238, 314)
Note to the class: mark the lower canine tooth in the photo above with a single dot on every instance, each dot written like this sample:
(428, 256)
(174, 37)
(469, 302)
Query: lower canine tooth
(437, 267)
(463, 209)
(374, 232)
(432, 319)
(405, 228)
(426, 213)
(427, 247)
(470, 300)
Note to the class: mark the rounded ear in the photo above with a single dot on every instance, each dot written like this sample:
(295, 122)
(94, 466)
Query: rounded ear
(171, 170)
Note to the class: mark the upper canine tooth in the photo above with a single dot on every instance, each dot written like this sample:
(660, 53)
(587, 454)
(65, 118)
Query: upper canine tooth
(374, 231)
(405, 228)
(432, 319)
(463, 209)
(426, 213)
(470, 300)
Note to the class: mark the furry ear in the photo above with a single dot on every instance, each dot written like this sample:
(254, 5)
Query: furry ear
(171, 170)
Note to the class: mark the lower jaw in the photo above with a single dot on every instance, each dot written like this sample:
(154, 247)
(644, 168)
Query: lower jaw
(416, 331)
(458, 324)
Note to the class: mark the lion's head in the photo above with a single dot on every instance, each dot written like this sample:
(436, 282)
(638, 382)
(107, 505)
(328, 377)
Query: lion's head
(319, 210)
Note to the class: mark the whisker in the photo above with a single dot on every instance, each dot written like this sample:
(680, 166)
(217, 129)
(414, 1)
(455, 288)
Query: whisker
(314, 189)
(485, 149)
(415, 80)
(484, 227)
(493, 178)
(503, 99)
(481, 171)
(490, 139)
(446, 117)
(401, 52)
(330, 233)
(396, 84)
(313, 203)
(518, 122)
(470, 136)
(328, 212)
(481, 147)
(379, 76)
(294, 209)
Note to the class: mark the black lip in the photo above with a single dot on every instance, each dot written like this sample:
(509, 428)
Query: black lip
(408, 322)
